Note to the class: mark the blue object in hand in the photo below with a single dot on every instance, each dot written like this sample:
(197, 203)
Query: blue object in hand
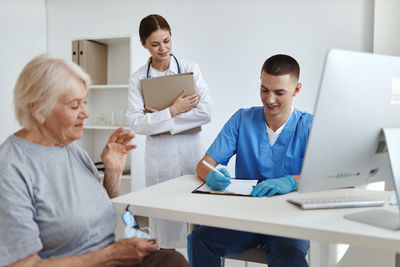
(272, 187)
(218, 182)
(131, 227)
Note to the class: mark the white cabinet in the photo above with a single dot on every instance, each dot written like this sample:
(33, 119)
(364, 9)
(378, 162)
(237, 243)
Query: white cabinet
(107, 103)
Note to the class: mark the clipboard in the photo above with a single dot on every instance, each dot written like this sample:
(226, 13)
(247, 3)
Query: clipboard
(160, 92)
(238, 187)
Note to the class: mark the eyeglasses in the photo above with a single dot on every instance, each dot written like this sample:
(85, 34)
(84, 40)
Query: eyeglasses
(132, 228)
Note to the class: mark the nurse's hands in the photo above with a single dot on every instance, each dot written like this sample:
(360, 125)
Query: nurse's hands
(218, 182)
(150, 110)
(272, 187)
(184, 103)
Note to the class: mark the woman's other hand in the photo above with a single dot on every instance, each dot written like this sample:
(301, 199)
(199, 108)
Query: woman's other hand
(129, 251)
(150, 110)
(184, 103)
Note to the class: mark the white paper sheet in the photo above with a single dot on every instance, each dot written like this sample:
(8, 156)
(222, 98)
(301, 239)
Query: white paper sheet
(237, 186)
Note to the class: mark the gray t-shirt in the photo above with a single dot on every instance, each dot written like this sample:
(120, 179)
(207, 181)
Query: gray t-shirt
(51, 202)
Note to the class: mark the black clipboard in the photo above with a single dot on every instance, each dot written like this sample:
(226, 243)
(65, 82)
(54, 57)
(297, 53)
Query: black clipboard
(223, 193)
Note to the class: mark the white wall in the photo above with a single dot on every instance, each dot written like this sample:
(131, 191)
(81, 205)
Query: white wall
(386, 27)
(23, 36)
(229, 39)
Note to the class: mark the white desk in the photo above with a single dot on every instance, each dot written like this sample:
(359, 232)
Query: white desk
(275, 216)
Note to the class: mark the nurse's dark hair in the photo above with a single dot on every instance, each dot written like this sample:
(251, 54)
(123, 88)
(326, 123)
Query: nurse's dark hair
(150, 24)
(282, 64)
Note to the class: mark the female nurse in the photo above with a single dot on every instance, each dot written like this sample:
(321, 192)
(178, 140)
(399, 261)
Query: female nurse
(175, 154)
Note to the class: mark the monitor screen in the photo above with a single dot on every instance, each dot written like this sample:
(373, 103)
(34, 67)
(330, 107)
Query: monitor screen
(359, 95)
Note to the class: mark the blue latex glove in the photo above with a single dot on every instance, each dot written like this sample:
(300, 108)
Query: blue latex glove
(272, 187)
(218, 182)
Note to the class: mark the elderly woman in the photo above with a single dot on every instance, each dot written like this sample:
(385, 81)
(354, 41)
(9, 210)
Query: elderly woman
(53, 209)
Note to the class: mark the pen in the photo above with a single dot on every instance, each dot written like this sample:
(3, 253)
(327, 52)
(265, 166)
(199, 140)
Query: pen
(211, 167)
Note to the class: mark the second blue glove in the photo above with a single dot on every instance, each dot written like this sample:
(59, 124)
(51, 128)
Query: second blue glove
(218, 182)
(272, 187)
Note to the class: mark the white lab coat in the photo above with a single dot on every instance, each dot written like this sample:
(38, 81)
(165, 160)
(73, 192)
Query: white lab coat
(169, 156)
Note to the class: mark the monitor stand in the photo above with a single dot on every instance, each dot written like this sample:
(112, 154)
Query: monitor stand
(380, 217)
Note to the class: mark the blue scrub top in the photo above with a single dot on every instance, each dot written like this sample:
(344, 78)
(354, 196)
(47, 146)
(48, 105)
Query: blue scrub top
(246, 136)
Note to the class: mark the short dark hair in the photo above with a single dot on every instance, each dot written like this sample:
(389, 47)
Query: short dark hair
(282, 64)
(150, 24)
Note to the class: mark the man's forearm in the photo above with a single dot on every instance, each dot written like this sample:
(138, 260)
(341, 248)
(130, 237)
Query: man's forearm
(202, 170)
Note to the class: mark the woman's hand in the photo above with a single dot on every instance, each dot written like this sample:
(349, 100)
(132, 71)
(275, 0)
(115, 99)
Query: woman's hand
(129, 251)
(116, 150)
(114, 159)
(150, 110)
(184, 103)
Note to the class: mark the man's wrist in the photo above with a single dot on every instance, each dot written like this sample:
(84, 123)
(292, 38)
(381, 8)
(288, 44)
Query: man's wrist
(292, 181)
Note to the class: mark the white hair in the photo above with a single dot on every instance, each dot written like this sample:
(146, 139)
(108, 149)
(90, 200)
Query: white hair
(42, 81)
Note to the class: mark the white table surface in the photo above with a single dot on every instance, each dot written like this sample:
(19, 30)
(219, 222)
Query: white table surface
(173, 200)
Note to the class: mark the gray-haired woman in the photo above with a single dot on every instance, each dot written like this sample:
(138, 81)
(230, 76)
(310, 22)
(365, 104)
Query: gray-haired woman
(53, 209)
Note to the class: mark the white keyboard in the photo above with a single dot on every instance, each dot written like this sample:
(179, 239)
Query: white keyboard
(336, 202)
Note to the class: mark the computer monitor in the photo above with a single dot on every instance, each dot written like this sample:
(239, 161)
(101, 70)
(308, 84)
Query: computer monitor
(359, 95)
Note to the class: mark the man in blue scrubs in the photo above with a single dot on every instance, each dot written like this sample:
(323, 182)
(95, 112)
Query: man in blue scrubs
(269, 143)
